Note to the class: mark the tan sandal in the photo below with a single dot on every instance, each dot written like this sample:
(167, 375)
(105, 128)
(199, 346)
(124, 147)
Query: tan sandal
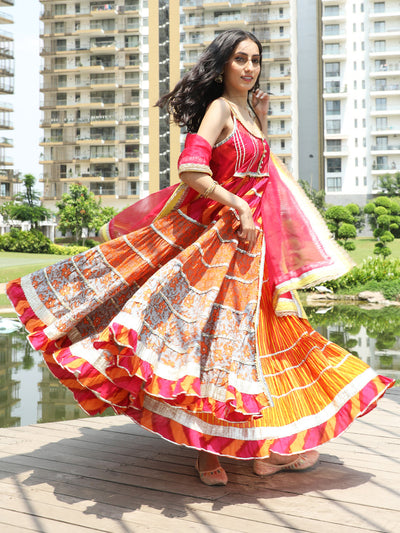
(215, 477)
(302, 462)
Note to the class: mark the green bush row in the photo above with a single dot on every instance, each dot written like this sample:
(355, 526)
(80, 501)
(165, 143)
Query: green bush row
(34, 242)
(378, 273)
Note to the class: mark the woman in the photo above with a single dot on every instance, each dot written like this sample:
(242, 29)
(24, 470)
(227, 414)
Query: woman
(188, 320)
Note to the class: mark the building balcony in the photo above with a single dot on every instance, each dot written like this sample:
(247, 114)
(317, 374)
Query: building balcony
(5, 18)
(339, 16)
(385, 14)
(6, 124)
(51, 141)
(388, 111)
(96, 140)
(6, 160)
(392, 89)
(5, 106)
(333, 35)
(386, 130)
(6, 35)
(387, 169)
(386, 149)
(330, 56)
(387, 70)
(280, 133)
(389, 33)
(6, 142)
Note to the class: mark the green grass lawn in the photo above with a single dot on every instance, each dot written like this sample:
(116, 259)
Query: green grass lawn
(14, 265)
(365, 248)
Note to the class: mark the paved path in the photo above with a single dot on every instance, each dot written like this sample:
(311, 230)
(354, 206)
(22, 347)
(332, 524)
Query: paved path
(109, 475)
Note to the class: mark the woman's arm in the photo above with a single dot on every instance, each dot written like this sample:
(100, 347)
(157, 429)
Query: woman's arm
(216, 124)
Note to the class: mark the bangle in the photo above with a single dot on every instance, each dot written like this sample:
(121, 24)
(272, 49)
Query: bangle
(210, 189)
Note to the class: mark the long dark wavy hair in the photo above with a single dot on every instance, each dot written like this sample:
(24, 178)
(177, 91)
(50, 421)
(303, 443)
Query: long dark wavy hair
(188, 101)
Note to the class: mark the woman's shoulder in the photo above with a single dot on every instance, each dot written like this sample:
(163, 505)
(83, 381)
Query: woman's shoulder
(215, 121)
(221, 106)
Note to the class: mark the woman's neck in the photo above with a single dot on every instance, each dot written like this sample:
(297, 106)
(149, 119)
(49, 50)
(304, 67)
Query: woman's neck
(240, 100)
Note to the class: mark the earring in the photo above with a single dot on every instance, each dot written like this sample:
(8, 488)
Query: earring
(219, 78)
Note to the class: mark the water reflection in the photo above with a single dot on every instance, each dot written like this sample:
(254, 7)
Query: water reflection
(29, 393)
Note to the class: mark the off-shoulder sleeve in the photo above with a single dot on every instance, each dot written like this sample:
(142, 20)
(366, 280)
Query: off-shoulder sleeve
(196, 155)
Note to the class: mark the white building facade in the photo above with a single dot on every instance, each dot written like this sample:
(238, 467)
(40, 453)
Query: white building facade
(361, 93)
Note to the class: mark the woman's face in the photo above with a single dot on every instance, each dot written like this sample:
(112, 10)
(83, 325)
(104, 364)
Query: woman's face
(242, 68)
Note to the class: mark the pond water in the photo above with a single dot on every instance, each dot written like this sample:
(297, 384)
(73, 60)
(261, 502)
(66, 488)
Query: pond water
(29, 393)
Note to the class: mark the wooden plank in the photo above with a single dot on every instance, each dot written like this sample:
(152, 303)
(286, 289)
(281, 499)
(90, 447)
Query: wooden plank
(85, 472)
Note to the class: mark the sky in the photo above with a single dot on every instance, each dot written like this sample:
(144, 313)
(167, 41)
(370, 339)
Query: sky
(26, 97)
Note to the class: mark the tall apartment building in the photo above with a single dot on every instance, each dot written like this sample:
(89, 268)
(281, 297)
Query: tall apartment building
(105, 63)
(272, 22)
(361, 59)
(8, 182)
(102, 73)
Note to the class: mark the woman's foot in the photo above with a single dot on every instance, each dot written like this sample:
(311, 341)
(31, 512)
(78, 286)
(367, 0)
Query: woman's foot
(209, 469)
(280, 463)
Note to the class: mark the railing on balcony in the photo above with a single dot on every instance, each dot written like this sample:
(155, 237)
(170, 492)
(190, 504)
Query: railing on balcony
(391, 87)
(386, 147)
(6, 16)
(387, 67)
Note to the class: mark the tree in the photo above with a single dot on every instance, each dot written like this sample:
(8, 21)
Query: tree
(390, 184)
(384, 217)
(341, 221)
(317, 197)
(79, 211)
(25, 206)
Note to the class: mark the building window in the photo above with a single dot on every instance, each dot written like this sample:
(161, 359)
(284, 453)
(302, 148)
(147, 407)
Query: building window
(283, 144)
(380, 64)
(334, 184)
(380, 84)
(382, 142)
(59, 27)
(332, 29)
(379, 46)
(356, 182)
(333, 164)
(332, 48)
(333, 126)
(333, 145)
(331, 11)
(332, 70)
(379, 26)
(333, 107)
(4, 189)
(332, 87)
(381, 123)
(382, 162)
(379, 7)
(133, 188)
(60, 9)
(102, 188)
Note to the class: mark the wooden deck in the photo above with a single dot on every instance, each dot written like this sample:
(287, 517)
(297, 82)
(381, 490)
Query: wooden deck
(109, 475)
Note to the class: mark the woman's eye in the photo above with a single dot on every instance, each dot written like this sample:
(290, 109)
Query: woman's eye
(240, 59)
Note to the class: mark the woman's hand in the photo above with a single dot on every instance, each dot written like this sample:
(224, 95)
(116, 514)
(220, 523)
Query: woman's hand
(260, 103)
(247, 230)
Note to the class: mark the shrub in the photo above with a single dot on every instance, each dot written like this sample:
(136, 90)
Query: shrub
(57, 249)
(380, 269)
(31, 242)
